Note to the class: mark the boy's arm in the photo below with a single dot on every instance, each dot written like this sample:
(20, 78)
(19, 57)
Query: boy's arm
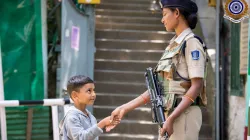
(108, 124)
(77, 131)
(104, 122)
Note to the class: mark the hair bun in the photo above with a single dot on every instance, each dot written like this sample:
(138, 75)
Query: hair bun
(192, 20)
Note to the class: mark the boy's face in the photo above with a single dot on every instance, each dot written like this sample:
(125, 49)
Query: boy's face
(86, 95)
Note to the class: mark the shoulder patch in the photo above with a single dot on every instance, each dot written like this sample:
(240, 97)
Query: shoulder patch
(195, 55)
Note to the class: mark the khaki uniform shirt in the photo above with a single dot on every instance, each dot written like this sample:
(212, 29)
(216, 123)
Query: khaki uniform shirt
(193, 64)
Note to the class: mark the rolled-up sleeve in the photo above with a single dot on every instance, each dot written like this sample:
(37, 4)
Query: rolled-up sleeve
(77, 131)
(195, 58)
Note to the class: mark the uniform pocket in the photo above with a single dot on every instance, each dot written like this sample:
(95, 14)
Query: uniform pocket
(164, 65)
(169, 101)
(193, 121)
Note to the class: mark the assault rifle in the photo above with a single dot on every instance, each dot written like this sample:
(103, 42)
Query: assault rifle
(155, 89)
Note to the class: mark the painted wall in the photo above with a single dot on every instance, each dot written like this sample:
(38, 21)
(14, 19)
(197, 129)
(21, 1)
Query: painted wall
(77, 46)
(236, 118)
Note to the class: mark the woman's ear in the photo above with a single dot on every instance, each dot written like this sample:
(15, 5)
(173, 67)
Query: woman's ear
(177, 12)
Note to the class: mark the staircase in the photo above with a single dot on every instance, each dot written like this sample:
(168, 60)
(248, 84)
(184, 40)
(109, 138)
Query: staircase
(128, 40)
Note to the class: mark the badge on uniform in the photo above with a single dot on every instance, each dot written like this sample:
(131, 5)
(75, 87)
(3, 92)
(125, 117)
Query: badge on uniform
(195, 55)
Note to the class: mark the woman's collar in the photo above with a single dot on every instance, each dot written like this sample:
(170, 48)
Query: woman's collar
(181, 37)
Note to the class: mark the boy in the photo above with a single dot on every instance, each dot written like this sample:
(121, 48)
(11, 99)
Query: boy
(79, 123)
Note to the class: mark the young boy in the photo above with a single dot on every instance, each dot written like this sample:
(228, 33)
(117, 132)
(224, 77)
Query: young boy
(79, 123)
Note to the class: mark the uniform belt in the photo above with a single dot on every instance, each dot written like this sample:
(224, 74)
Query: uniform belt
(178, 101)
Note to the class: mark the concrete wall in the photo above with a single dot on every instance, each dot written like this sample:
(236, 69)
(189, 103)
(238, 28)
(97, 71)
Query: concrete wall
(207, 16)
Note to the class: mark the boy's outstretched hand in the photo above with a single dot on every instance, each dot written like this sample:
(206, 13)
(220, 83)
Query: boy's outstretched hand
(113, 123)
(108, 124)
(115, 117)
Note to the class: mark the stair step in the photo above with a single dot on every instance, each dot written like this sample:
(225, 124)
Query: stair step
(141, 114)
(120, 87)
(117, 100)
(129, 38)
(134, 34)
(137, 127)
(123, 65)
(130, 44)
(118, 136)
(119, 76)
(124, 54)
(125, 19)
(127, 1)
(112, 99)
(128, 13)
(123, 6)
(129, 26)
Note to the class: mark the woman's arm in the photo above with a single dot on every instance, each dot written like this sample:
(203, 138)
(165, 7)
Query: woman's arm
(193, 92)
(196, 69)
(125, 108)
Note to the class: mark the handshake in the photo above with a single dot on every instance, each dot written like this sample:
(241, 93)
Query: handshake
(155, 98)
(112, 121)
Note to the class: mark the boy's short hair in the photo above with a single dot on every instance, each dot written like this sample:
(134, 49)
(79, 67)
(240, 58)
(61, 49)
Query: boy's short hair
(77, 82)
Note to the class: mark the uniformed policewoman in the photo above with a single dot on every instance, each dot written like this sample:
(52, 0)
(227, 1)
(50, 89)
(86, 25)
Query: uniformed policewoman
(181, 70)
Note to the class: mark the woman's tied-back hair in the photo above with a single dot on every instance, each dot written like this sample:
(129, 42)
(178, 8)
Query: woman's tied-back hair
(187, 8)
(191, 18)
(77, 82)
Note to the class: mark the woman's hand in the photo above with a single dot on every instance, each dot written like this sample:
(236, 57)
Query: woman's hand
(119, 112)
(116, 115)
(111, 124)
(168, 127)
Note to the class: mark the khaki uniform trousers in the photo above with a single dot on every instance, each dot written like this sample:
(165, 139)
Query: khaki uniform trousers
(187, 125)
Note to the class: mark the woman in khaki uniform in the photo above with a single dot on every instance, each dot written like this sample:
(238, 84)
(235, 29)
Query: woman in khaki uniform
(181, 70)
